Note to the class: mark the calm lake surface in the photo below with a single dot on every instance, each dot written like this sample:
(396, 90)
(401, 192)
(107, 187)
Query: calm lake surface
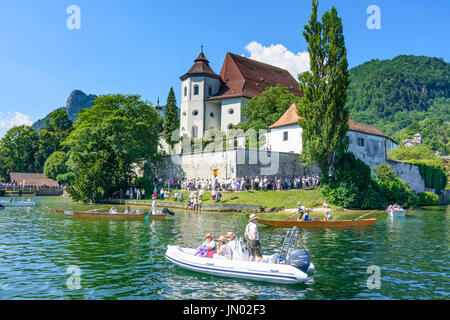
(125, 259)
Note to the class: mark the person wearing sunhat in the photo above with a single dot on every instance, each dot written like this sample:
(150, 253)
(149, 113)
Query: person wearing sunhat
(209, 241)
(221, 246)
(252, 236)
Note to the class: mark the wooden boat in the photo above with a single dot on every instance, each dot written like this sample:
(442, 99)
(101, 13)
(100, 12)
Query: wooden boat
(318, 223)
(106, 215)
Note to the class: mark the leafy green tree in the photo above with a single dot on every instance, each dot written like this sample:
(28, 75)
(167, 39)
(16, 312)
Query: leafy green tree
(262, 111)
(384, 172)
(419, 152)
(18, 148)
(108, 140)
(57, 128)
(324, 116)
(56, 165)
(392, 94)
(171, 121)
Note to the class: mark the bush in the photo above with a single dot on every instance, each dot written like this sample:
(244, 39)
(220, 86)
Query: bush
(342, 193)
(66, 178)
(143, 183)
(428, 199)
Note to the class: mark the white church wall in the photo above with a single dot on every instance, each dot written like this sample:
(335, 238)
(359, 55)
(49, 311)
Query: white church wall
(286, 139)
(231, 112)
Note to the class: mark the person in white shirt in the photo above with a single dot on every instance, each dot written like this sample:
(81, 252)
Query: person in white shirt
(154, 206)
(252, 236)
(229, 247)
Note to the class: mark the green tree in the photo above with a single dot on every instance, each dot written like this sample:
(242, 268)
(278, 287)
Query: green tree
(324, 116)
(56, 130)
(56, 165)
(108, 141)
(262, 111)
(384, 172)
(171, 121)
(18, 148)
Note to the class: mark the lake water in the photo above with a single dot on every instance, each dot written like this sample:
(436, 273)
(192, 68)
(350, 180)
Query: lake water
(121, 259)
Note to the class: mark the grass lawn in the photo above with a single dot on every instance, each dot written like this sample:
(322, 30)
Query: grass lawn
(267, 199)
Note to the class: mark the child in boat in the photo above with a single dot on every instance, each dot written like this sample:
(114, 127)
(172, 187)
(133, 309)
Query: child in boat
(127, 210)
(306, 216)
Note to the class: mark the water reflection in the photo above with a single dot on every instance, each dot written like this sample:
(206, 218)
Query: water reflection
(125, 259)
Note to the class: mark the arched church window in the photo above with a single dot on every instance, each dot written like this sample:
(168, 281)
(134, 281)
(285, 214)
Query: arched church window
(195, 113)
(184, 114)
(185, 91)
(209, 91)
(211, 114)
(194, 132)
(196, 90)
(230, 126)
(230, 111)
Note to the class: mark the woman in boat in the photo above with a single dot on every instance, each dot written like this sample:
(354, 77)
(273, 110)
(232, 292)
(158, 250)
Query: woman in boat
(210, 245)
(221, 246)
(209, 242)
(127, 210)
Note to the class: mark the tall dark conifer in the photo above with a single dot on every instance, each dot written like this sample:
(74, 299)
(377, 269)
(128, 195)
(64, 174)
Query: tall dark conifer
(171, 121)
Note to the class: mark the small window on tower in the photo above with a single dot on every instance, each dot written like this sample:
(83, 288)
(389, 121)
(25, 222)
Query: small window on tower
(185, 91)
(196, 90)
(195, 113)
(285, 136)
(209, 91)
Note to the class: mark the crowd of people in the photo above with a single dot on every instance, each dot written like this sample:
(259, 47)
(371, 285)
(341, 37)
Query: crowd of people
(242, 183)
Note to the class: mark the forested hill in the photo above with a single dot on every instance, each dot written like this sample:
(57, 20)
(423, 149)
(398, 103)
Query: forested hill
(394, 94)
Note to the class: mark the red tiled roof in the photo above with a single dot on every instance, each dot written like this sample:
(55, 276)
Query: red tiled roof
(243, 77)
(291, 117)
(32, 179)
(288, 118)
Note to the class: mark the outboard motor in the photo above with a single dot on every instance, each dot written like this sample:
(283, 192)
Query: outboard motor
(299, 258)
(167, 211)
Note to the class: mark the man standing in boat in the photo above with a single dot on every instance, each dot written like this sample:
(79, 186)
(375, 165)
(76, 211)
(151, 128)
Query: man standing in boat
(252, 236)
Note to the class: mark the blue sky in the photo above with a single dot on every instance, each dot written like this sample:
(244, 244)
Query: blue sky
(143, 47)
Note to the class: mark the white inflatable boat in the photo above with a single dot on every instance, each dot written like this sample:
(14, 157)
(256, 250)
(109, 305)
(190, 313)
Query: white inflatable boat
(17, 203)
(396, 212)
(271, 269)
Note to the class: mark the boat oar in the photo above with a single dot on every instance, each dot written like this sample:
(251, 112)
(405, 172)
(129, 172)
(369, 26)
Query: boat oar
(365, 215)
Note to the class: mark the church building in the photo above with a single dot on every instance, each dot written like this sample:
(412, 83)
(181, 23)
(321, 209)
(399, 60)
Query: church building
(366, 142)
(215, 101)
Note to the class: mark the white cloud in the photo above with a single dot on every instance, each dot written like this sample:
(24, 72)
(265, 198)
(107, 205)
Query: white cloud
(279, 56)
(11, 119)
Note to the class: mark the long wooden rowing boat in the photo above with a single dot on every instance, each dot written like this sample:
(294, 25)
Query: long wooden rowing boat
(107, 215)
(318, 224)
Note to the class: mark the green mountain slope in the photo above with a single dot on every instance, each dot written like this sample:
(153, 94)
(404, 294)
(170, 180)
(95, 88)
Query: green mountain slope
(393, 94)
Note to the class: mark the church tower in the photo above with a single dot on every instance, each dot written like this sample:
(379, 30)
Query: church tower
(197, 85)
